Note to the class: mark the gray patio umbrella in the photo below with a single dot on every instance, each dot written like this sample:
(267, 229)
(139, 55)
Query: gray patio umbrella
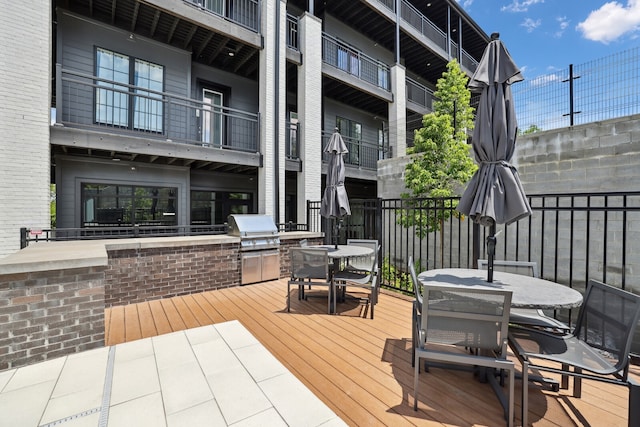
(494, 194)
(335, 202)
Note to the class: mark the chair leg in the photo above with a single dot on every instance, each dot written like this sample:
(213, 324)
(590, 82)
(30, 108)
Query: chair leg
(634, 402)
(525, 392)
(564, 382)
(512, 377)
(288, 297)
(416, 380)
(372, 301)
(577, 384)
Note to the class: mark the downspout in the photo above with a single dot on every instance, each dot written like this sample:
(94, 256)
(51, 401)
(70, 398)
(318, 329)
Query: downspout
(397, 43)
(276, 141)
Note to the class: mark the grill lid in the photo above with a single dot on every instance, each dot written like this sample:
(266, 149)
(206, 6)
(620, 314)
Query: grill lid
(250, 225)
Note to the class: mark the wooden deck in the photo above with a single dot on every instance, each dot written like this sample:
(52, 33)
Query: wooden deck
(359, 367)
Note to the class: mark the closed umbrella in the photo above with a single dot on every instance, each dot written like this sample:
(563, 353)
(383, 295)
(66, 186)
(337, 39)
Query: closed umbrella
(335, 202)
(494, 194)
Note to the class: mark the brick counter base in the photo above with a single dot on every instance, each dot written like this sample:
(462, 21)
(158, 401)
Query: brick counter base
(139, 275)
(48, 314)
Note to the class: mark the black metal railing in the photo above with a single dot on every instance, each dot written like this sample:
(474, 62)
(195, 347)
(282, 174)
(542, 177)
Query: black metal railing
(572, 237)
(340, 55)
(28, 235)
(166, 116)
(241, 12)
(362, 153)
(419, 94)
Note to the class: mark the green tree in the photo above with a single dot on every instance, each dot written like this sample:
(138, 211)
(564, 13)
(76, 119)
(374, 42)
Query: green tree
(441, 162)
(454, 99)
(530, 129)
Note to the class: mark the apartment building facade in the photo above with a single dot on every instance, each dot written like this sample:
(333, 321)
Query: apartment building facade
(181, 112)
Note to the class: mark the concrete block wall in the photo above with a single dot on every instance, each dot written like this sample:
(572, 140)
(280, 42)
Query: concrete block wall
(595, 157)
(138, 275)
(47, 314)
(599, 156)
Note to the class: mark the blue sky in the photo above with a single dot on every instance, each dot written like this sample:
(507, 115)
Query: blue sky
(544, 36)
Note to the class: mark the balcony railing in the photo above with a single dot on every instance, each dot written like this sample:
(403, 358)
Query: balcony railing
(241, 12)
(87, 101)
(417, 20)
(419, 94)
(292, 136)
(346, 58)
(292, 32)
(362, 153)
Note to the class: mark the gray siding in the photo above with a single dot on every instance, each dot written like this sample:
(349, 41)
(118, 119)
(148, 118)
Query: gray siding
(370, 124)
(78, 39)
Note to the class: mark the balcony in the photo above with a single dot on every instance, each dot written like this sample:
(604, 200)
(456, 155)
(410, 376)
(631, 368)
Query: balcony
(346, 58)
(88, 102)
(242, 12)
(419, 95)
(362, 154)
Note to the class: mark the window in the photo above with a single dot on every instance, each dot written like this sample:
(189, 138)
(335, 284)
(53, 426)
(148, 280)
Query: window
(213, 207)
(127, 205)
(127, 92)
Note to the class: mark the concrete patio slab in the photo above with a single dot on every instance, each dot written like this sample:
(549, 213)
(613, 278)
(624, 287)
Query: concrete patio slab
(213, 375)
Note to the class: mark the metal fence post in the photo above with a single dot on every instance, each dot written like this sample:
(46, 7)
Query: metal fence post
(23, 237)
(571, 95)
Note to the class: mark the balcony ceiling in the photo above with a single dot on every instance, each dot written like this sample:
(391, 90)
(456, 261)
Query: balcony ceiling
(381, 31)
(133, 159)
(207, 47)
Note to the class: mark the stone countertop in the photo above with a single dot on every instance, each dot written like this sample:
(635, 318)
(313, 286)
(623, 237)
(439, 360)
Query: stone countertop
(44, 256)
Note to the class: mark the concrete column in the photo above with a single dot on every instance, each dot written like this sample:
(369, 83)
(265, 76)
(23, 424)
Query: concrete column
(271, 182)
(25, 117)
(310, 112)
(398, 112)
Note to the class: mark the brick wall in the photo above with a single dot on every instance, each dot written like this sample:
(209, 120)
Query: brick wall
(25, 85)
(48, 314)
(144, 274)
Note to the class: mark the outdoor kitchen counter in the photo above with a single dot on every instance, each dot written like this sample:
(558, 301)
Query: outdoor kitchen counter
(46, 256)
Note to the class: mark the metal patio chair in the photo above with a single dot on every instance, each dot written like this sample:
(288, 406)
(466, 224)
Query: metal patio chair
(361, 272)
(309, 267)
(597, 349)
(454, 318)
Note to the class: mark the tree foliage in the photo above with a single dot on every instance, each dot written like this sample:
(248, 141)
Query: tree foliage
(531, 129)
(441, 162)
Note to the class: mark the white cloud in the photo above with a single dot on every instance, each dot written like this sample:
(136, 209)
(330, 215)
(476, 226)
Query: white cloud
(465, 3)
(611, 21)
(563, 23)
(545, 80)
(530, 24)
(520, 6)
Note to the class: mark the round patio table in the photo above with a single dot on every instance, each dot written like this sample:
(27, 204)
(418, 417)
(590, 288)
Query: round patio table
(527, 292)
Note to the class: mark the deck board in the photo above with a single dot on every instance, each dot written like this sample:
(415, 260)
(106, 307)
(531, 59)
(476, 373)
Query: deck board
(147, 325)
(132, 323)
(360, 367)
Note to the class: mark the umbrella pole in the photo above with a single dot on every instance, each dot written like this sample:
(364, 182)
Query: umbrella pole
(491, 251)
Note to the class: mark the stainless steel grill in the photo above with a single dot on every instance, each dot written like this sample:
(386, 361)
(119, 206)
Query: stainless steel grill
(259, 246)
